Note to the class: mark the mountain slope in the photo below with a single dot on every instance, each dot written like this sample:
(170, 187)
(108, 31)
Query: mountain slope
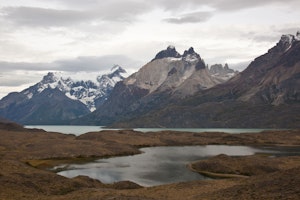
(167, 78)
(51, 106)
(265, 95)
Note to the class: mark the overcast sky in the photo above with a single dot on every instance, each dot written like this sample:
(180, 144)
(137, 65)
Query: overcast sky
(90, 36)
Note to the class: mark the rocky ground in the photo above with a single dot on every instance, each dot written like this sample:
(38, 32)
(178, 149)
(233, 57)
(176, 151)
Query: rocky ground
(26, 154)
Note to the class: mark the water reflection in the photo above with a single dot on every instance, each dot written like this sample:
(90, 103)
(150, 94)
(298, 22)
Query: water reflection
(157, 165)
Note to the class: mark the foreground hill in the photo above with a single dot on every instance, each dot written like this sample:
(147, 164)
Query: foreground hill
(10, 126)
(266, 94)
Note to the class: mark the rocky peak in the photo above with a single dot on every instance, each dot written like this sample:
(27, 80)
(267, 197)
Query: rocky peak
(190, 55)
(50, 78)
(222, 72)
(169, 52)
(190, 51)
(286, 41)
(117, 73)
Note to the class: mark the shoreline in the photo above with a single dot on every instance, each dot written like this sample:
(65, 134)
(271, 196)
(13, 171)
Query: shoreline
(212, 174)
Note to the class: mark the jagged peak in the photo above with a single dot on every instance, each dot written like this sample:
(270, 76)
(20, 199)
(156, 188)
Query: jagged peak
(118, 69)
(170, 52)
(51, 77)
(189, 52)
(171, 47)
(287, 40)
(190, 55)
(117, 73)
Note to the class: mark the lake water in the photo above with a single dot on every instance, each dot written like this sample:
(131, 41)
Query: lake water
(157, 165)
(78, 130)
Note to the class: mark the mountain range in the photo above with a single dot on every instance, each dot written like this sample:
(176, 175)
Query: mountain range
(264, 95)
(169, 77)
(172, 90)
(176, 90)
(55, 99)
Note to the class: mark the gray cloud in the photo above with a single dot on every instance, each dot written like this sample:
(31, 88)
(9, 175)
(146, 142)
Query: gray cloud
(94, 64)
(31, 16)
(12, 66)
(16, 74)
(119, 11)
(87, 64)
(11, 80)
(223, 5)
(126, 11)
(233, 5)
(194, 17)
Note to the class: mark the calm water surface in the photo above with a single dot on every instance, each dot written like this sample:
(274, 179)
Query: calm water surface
(78, 130)
(157, 165)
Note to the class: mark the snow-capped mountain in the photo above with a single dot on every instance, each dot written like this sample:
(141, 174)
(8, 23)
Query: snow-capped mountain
(90, 93)
(56, 99)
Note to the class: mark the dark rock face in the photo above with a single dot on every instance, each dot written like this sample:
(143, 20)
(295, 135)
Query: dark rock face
(169, 52)
(118, 106)
(191, 52)
(200, 65)
(49, 107)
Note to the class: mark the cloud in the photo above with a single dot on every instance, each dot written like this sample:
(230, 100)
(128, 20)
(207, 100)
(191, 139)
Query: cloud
(223, 5)
(13, 66)
(93, 63)
(87, 64)
(194, 17)
(118, 11)
(235, 5)
(16, 76)
(15, 79)
(128, 11)
(31, 16)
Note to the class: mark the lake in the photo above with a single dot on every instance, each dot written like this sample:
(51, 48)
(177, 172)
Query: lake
(78, 130)
(158, 165)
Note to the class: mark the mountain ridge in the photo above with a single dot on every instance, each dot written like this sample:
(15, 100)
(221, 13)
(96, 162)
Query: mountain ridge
(264, 95)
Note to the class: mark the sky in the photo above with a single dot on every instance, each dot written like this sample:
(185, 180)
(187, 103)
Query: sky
(82, 38)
